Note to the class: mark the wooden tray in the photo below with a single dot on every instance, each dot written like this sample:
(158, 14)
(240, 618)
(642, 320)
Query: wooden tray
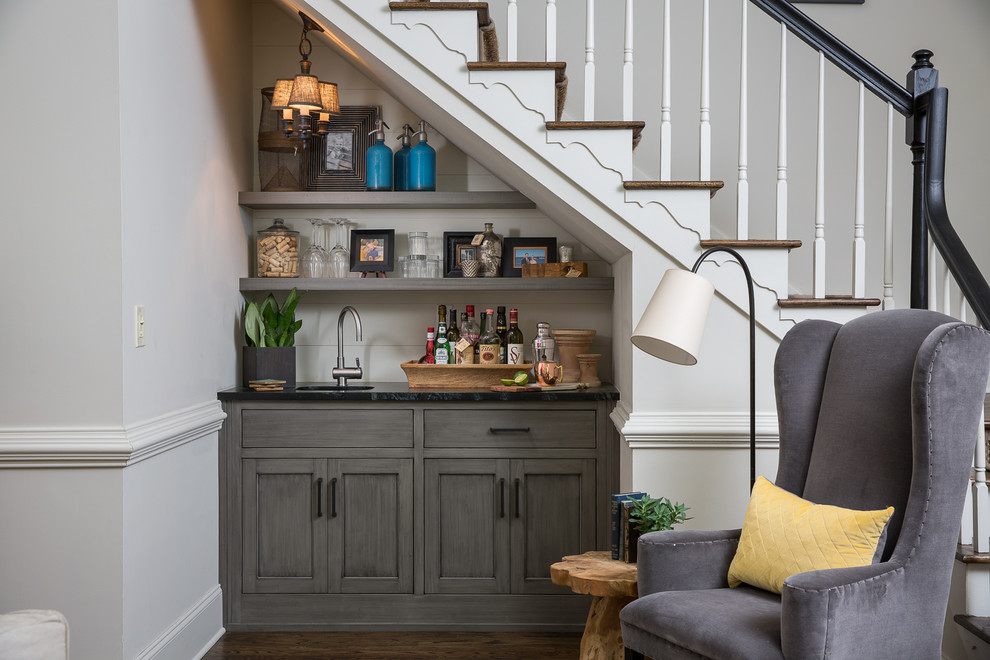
(459, 375)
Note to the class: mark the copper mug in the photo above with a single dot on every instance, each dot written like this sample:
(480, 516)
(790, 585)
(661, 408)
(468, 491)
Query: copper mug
(549, 373)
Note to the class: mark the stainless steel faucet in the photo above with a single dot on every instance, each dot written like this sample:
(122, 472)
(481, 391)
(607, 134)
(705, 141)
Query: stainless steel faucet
(340, 372)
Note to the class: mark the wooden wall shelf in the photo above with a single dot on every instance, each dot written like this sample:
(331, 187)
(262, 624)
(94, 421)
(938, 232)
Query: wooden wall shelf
(385, 200)
(254, 284)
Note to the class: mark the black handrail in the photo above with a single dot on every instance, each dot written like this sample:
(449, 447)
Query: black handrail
(934, 105)
(839, 53)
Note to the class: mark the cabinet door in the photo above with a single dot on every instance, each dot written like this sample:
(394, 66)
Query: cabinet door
(371, 525)
(283, 536)
(553, 514)
(466, 525)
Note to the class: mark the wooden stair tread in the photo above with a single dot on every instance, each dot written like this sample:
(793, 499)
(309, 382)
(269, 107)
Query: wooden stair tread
(480, 7)
(827, 301)
(713, 186)
(978, 625)
(557, 67)
(750, 243)
(965, 554)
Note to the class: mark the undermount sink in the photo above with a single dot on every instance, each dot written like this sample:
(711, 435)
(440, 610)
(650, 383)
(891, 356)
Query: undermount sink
(333, 388)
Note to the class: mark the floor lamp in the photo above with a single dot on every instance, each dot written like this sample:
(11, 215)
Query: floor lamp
(674, 322)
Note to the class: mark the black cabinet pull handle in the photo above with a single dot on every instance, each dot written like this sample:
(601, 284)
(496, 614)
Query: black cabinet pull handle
(319, 497)
(333, 497)
(517, 498)
(501, 498)
(511, 429)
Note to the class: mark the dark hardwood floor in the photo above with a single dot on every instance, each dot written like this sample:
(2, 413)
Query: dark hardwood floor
(396, 645)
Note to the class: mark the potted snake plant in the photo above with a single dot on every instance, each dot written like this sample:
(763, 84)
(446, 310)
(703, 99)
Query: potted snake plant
(269, 334)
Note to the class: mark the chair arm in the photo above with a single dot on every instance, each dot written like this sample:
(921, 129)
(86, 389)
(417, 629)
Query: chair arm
(685, 559)
(835, 613)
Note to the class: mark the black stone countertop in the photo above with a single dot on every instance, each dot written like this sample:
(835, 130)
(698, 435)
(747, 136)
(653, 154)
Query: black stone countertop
(399, 391)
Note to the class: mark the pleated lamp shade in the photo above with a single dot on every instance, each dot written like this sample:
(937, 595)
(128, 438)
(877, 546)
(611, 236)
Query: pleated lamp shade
(674, 322)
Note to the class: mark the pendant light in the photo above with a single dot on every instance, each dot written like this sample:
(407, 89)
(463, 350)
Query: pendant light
(303, 98)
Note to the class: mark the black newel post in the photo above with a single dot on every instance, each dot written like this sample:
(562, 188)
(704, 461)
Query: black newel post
(922, 78)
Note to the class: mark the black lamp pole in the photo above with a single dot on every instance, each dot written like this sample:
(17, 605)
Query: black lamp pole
(752, 354)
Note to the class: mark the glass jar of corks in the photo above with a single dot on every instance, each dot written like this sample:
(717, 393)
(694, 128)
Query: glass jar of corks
(278, 251)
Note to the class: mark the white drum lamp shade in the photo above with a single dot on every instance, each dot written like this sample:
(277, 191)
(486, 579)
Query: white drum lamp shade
(674, 322)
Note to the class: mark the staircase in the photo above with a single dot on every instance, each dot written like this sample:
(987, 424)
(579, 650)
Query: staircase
(443, 60)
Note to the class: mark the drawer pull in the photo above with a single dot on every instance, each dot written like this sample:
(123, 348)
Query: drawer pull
(333, 497)
(517, 498)
(319, 497)
(501, 497)
(511, 429)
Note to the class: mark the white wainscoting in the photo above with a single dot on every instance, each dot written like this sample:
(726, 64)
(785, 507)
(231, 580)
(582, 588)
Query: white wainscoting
(203, 618)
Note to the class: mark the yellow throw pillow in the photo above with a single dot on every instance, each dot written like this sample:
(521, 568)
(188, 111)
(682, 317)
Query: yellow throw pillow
(784, 534)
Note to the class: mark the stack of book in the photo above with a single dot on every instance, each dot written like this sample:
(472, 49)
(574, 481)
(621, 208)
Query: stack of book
(624, 537)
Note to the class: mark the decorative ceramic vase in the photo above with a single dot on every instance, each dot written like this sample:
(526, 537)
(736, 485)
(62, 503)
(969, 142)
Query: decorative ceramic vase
(570, 344)
(491, 253)
(589, 368)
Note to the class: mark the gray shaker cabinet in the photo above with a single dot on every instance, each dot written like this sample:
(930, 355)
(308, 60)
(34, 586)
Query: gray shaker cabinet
(417, 510)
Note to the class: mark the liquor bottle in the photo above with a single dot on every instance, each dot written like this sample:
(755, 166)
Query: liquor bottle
(503, 335)
(488, 342)
(453, 332)
(470, 330)
(428, 358)
(441, 349)
(464, 352)
(514, 339)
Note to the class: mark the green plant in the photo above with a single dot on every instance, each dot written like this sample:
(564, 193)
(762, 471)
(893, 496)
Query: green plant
(656, 515)
(271, 325)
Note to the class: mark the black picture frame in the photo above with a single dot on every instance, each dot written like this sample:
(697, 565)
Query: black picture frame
(383, 259)
(454, 242)
(514, 249)
(338, 160)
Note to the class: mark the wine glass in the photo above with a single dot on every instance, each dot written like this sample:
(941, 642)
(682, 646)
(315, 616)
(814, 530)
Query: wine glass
(340, 258)
(315, 261)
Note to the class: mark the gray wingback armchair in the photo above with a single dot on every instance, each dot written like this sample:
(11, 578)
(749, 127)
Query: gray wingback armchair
(882, 411)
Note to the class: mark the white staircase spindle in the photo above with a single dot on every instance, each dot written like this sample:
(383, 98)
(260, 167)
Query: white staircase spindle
(512, 32)
(551, 30)
(665, 146)
(981, 500)
(859, 234)
(962, 306)
(782, 140)
(819, 254)
(627, 66)
(888, 216)
(946, 290)
(742, 189)
(932, 276)
(705, 127)
(589, 62)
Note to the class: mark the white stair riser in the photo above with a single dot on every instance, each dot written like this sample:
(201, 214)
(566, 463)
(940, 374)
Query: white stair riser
(535, 90)
(612, 148)
(456, 30)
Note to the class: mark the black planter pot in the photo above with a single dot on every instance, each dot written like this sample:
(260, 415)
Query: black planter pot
(270, 362)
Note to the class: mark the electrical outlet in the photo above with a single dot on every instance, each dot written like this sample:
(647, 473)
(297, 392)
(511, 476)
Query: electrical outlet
(138, 326)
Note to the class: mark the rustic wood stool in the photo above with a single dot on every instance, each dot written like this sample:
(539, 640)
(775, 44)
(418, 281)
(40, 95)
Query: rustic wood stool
(613, 584)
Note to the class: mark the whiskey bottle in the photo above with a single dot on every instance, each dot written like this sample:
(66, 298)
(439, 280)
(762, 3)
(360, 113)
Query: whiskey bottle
(503, 334)
(514, 339)
(464, 349)
(470, 330)
(488, 342)
(453, 332)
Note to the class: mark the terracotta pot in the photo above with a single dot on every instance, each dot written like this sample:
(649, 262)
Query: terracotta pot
(570, 344)
(589, 368)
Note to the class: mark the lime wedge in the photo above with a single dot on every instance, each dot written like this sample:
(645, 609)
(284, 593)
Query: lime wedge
(508, 381)
(521, 378)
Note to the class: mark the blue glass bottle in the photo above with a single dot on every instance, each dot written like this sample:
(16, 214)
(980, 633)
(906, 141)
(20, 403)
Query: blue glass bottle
(422, 163)
(379, 160)
(400, 163)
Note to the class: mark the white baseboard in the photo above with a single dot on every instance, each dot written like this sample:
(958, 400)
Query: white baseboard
(184, 639)
(107, 446)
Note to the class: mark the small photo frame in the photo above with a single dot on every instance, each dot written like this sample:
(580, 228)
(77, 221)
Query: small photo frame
(457, 248)
(372, 250)
(337, 160)
(517, 251)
